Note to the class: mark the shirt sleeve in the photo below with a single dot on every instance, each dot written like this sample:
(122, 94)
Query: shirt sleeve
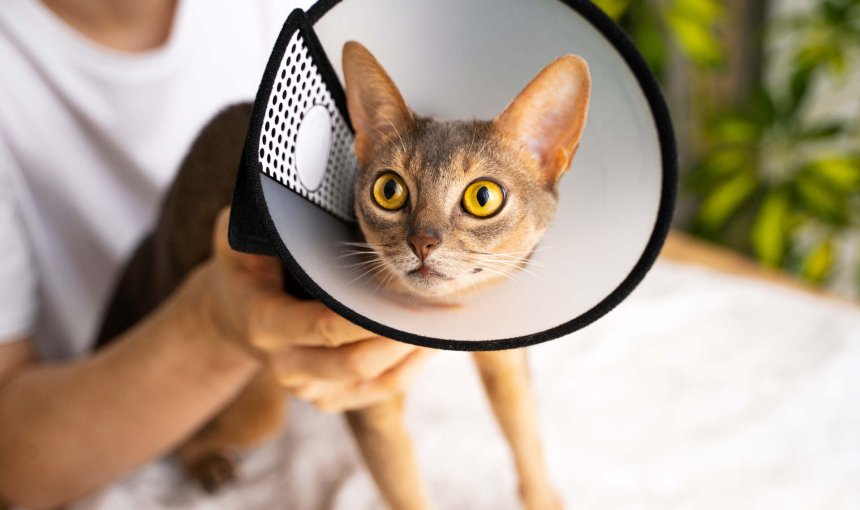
(18, 300)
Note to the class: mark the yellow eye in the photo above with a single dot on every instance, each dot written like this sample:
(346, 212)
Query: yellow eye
(483, 198)
(390, 191)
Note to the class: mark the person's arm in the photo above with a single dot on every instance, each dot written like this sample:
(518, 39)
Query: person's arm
(69, 428)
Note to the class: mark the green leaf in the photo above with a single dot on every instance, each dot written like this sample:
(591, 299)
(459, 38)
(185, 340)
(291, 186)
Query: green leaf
(801, 79)
(719, 165)
(717, 168)
(822, 201)
(730, 160)
(734, 129)
(833, 12)
(704, 12)
(650, 41)
(812, 55)
(823, 130)
(770, 231)
(837, 63)
(613, 8)
(763, 108)
(697, 41)
(725, 200)
(818, 263)
(825, 49)
(840, 172)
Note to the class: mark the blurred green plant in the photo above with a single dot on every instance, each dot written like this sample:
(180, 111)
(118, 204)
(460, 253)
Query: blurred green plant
(772, 179)
(689, 25)
(776, 173)
(787, 177)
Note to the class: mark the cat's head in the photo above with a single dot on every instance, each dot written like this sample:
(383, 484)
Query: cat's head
(449, 206)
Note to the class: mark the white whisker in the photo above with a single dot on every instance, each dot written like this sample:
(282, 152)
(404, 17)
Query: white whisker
(362, 275)
(512, 268)
(355, 254)
(362, 264)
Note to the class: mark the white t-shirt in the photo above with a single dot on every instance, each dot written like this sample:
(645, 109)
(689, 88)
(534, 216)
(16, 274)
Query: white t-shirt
(89, 140)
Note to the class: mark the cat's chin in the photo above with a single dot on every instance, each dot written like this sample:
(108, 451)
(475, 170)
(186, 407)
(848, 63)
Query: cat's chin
(424, 285)
(433, 288)
(428, 284)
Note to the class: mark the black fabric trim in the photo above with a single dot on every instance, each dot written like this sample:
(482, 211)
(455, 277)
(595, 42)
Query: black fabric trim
(246, 232)
(316, 11)
(662, 224)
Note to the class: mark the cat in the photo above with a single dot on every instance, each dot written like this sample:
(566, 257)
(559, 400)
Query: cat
(445, 208)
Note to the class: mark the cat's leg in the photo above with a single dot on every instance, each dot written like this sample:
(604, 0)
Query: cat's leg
(387, 449)
(256, 415)
(506, 380)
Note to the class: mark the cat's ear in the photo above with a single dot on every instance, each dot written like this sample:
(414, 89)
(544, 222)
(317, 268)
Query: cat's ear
(376, 108)
(548, 116)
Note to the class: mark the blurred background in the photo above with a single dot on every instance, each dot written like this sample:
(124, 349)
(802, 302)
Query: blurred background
(705, 389)
(765, 96)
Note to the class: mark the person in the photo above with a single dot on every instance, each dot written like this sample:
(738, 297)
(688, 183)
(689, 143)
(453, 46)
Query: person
(98, 102)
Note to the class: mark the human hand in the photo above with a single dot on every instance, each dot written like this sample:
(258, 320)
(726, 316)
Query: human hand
(315, 353)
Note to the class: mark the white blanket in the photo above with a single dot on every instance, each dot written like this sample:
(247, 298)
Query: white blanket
(701, 391)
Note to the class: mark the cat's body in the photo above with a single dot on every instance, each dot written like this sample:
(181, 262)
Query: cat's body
(181, 240)
(435, 243)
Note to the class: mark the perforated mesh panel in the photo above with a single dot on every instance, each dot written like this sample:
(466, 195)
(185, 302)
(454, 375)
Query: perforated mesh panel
(297, 88)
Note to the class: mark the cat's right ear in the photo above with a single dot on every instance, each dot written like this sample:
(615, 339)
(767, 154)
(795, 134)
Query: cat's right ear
(548, 116)
(376, 108)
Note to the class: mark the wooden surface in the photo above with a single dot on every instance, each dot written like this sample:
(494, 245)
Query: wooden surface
(681, 247)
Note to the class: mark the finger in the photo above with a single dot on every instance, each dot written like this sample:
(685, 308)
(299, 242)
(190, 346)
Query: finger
(366, 393)
(219, 233)
(281, 321)
(358, 361)
(399, 377)
(314, 390)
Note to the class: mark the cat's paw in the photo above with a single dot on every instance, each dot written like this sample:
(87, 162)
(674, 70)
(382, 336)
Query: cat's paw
(214, 471)
(540, 499)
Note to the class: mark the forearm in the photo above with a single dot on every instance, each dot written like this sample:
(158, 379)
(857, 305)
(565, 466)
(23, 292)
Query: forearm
(69, 428)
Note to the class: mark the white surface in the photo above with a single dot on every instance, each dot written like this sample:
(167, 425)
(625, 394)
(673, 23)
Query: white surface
(89, 140)
(701, 391)
(457, 59)
(313, 146)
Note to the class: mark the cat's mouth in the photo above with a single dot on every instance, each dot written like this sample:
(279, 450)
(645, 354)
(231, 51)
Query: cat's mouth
(426, 273)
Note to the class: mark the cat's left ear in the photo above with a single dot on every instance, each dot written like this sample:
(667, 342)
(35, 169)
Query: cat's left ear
(548, 116)
(376, 108)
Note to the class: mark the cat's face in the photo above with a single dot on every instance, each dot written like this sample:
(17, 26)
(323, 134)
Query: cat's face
(449, 207)
(441, 240)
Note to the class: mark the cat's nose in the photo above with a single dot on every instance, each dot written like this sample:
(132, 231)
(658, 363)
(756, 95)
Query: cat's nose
(422, 245)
